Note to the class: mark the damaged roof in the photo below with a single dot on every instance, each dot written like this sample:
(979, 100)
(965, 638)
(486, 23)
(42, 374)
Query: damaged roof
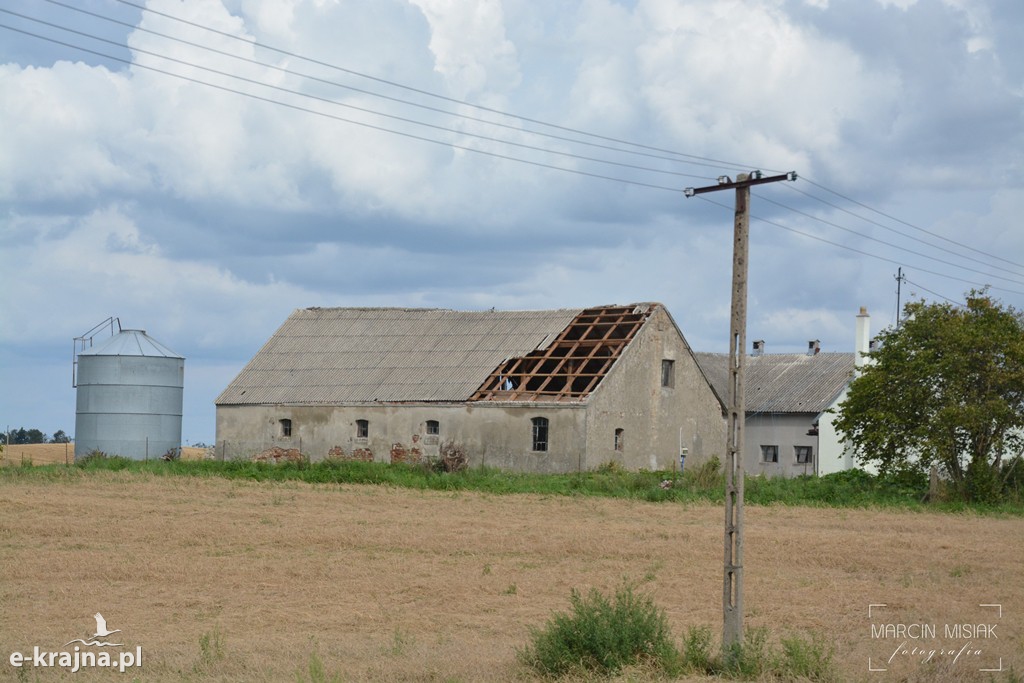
(331, 356)
(783, 382)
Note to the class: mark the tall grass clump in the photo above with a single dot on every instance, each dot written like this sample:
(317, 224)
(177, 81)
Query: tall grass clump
(601, 635)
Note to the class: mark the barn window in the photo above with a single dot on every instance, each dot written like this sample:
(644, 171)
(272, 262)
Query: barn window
(804, 455)
(362, 429)
(668, 373)
(540, 433)
(769, 453)
(433, 427)
(618, 438)
(286, 427)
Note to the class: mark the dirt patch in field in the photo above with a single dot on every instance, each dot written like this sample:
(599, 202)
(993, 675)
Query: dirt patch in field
(53, 453)
(243, 581)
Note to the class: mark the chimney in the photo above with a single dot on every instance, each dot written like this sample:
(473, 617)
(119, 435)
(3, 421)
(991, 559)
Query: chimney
(862, 344)
(758, 347)
(813, 347)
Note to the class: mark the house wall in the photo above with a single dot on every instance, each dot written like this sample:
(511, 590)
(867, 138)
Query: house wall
(785, 430)
(654, 419)
(834, 457)
(496, 435)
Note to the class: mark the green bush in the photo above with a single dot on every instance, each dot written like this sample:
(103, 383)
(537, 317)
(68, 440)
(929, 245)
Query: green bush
(602, 635)
(697, 653)
(98, 460)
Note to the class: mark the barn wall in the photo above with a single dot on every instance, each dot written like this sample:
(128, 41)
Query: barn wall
(654, 418)
(495, 435)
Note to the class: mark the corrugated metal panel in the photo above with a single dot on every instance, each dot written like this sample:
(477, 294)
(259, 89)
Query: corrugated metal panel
(783, 382)
(351, 355)
(131, 343)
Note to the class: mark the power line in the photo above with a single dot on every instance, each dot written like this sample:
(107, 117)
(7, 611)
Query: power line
(888, 244)
(292, 72)
(955, 303)
(696, 160)
(352, 106)
(898, 232)
(428, 93)
(493, 139)
(862, 252)
(911, 225)
(343, 119)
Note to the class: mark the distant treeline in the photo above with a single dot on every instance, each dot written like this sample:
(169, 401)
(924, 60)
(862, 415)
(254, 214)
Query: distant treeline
(23, 436)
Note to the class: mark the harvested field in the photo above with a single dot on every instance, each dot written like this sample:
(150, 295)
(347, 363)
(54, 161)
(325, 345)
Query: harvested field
(241, 581)
(50, 453)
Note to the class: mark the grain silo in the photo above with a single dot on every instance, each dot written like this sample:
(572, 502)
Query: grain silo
(129, 399)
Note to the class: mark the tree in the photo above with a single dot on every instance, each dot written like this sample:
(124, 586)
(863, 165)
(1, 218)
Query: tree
(946, 387)
(60, 437)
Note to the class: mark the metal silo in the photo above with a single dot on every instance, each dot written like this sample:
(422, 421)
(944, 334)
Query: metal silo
(129, 399)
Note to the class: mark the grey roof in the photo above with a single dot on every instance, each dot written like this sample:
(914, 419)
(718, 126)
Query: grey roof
(330, 356)
(783, 382)
(130, 343)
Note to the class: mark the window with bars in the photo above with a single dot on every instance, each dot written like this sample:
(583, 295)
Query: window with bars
(362, 429)
(619, 435)
(286, 427)
(540, 433)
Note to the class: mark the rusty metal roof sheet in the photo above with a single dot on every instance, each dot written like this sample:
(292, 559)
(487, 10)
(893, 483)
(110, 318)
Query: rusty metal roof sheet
(354, 355)
(783, 382)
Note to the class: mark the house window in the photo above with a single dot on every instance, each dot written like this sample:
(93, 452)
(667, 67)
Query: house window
(433, 427)
(362, 429)
(286, 427)
(769, 453)
(618, 439)
(804, 455)
(540, 433)
(668, 373)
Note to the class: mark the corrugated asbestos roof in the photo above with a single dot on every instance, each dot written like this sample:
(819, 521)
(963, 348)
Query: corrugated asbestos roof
(327, 356)
(783, 382)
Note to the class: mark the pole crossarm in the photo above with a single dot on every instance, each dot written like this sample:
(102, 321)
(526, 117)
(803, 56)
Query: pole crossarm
(726, 183)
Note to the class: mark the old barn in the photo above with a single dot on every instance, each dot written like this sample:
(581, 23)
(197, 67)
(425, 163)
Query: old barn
(540, 391)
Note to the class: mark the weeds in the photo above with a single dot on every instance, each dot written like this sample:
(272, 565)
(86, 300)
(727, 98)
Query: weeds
(602, 635)
(316, 671)
(853, 488)
(211, 649)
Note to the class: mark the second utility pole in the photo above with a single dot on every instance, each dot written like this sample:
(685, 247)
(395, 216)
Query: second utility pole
(732, 593)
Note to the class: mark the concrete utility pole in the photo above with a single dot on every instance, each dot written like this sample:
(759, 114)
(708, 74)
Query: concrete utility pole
(899, 283)
(732, 593)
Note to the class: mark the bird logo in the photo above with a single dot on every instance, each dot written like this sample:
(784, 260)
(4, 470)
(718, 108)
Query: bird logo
(101, 627)
(101, 632)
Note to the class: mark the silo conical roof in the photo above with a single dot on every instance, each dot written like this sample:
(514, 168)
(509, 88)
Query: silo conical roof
(131, 343)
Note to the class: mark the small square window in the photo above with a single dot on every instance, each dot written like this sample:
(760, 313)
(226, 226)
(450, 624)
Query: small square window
(668, 373)
(433, 427)
(362, 429)
(769, 453)
(540, 433)
(286, 427)
(804, 455)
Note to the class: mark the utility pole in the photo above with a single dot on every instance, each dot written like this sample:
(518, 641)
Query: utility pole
(732, 593)
(899, 281)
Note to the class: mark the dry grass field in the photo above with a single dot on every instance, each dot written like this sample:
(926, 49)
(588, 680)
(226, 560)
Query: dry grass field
(239, 581)
(50, 453)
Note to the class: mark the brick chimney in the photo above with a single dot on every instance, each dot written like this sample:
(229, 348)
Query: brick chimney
(758, 347)
(813, 347)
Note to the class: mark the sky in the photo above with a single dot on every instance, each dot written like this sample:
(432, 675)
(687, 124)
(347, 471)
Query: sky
(201, 168)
